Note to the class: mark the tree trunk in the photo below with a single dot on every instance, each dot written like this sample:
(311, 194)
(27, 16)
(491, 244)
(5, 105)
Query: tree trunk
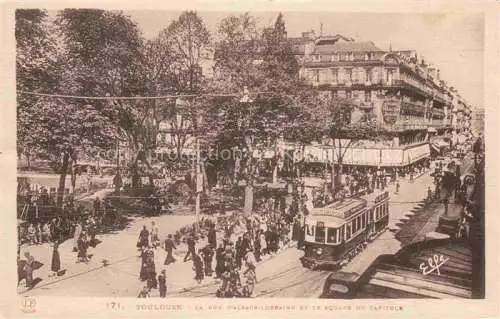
(135, 172)
(62, 180)
(275, 172)
(73, 176)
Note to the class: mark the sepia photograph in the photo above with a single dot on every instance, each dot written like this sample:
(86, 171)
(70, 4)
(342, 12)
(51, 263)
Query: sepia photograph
(250, 154)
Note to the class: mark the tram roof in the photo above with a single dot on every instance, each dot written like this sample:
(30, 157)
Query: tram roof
(340, 211)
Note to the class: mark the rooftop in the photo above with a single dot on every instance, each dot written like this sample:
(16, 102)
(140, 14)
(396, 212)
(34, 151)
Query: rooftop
(347, 47)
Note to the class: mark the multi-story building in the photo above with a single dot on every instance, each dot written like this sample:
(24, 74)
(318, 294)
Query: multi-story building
(402, 91)
(477, 121)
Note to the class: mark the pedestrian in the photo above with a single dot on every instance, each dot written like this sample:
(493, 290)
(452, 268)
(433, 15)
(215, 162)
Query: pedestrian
(219, 259)
(257, 245)
(207, 253)
(28, 269)
(144, 259)
(82, 248)
(198, 268)
(169, 246)
(76, 236)
(155, 241)
(143, 238)
(239, 253)
(46, 233)
(212, 236)
(191, 247)
(429, 194)
(56, 260)
(445, 204)
(162, 283)
(31, 234)
(144, 293)
(38, 233)
(97, 207)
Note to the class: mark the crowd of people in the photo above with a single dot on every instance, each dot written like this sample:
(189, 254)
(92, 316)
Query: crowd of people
(81, 228)
(226, 247)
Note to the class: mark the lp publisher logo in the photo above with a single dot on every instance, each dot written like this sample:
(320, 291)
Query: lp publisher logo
(28, 304)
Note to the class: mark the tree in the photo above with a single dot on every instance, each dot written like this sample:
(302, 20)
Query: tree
(36, 70)
(106, 58)
(47, 127)
(262, 62)
(188, 39)
(174, 59)
(332, 117)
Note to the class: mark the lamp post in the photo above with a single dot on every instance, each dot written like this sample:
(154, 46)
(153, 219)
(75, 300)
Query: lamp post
(248, 204)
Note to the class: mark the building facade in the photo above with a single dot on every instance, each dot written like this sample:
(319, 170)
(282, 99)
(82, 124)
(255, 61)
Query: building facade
(404, 93)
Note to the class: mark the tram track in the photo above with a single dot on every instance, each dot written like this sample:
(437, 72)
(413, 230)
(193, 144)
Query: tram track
(268, 278)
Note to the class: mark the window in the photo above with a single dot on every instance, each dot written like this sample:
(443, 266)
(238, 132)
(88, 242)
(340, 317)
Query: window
(331, 235)
(348, 94)
(348, 231)
(316, 75)
(309, 230)
(368, 96)
(354, 226)
(368, 75)
(335, 75)
(348, 75)
(320, 234)
(363, 221)
(371, 214)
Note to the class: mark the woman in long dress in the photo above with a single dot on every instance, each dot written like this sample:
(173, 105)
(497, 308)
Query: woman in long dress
(56, 260)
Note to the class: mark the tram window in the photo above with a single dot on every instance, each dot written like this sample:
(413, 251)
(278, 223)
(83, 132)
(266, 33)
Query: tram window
(354, 226)
(348, 232)
(371, 214)
(387, 208)
(363, 221)
(332, 235)
(359, 223)
(308, 229)
(320, 235)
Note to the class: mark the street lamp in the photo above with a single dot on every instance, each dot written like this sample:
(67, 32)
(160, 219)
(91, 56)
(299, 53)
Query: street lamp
(248, 205)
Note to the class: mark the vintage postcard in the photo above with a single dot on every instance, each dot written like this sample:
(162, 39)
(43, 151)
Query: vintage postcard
(267, 159)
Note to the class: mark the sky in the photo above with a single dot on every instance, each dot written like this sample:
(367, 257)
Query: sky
(453, 42)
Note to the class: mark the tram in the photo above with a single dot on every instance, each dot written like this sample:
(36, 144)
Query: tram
(337, 232)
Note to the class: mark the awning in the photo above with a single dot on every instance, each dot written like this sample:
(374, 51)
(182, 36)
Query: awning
(431, 130)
